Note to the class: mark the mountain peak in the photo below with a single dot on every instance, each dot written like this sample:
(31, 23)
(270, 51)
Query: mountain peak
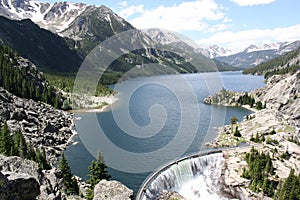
(263, 47)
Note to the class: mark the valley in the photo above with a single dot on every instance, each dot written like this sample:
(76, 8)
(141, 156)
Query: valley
(91, 104)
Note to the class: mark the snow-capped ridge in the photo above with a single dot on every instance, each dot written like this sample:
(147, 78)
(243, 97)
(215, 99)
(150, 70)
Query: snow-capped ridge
(264, 47)
(167, 37)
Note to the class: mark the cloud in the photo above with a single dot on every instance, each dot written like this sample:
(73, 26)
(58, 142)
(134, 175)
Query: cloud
(186, 16)
(251, 2)
(131, 10)
(123, 4)
(242, 39)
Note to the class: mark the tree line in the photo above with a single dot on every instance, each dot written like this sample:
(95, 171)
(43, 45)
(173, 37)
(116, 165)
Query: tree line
(260, 171)
(16, 80)
(275, 65)
(16, 145)
(98, 172)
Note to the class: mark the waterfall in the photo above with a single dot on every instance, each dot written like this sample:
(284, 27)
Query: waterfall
(192, 177)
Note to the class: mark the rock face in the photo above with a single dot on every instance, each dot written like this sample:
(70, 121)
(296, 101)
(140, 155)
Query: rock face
(41, 124)
(22, 179)
(112, 190)
(226, 98)
(18, 186)
(282, 94)
(281, 115)
(167, 195)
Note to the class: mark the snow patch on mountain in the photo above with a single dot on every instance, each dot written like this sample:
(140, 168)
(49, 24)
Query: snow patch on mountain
(214, 51)
(55, 17)
(167, 37)
(162, 36)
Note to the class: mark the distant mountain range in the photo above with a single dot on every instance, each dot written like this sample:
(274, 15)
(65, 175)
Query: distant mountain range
(250, 57)
(77, 29)
(255, 55)
(69, 31)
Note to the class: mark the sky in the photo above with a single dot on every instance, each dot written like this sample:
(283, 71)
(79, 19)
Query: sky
(232, 24)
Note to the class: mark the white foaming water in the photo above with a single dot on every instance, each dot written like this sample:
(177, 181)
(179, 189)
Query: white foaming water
(193, 178)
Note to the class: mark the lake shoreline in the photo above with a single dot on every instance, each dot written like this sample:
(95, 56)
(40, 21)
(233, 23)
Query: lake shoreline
(107, 102)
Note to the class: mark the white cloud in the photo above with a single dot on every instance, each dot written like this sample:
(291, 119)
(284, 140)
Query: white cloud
(251, 2)
(242, 39)
(131, 10)
(193, 15)
(123, 4)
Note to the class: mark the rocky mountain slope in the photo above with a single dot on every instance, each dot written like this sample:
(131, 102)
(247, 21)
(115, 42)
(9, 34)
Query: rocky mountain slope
(83, 28)
(175, 41)
(41, 124)
(47, 50)
(273, 130)
(55, 17)
(168, 37)
(288, 63)
(255, 55)
(43, 127)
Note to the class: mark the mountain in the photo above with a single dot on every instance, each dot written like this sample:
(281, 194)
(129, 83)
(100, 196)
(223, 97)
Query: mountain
(68, 32)
(287, 63)
(167, 37)
(87, 25)
(55, 17)
(214, 51)
(175, 41)
(48, 51)
(255, 55)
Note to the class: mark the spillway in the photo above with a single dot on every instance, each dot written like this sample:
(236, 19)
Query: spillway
(195, 177)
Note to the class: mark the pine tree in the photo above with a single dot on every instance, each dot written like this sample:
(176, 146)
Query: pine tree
(70, 183)
(233, 121)
(98, 172)
(6, 141)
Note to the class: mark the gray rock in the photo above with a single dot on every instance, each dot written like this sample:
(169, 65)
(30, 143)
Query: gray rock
(19, 116)
(40, 123)
(16, 186)
(25, 179)
(50, 128)
(112, 190)
(170, 195)
(22, 186)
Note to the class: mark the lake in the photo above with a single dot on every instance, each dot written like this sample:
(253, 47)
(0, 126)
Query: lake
(155, 121)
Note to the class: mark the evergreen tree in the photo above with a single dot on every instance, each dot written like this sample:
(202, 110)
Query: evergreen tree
(70, 183)
(98, 172)
(237, 133)
(6, 141)
(233, 121)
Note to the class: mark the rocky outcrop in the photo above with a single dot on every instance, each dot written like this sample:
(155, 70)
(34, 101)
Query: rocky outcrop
(282, 94)
(277, 128)
(225, 97)
(232, 98)
(23, 179)
(41, 124)
(18, 187)
(112, 190)
(170, 195)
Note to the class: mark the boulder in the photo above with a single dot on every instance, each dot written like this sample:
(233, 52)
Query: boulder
(19, 116)
(22, 186)
(112, 190)
(170, 195)
(50, 128)
(25, 180)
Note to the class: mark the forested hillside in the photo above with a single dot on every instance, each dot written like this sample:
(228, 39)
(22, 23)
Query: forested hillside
(45, 49)
(20, 77)
(288, 63)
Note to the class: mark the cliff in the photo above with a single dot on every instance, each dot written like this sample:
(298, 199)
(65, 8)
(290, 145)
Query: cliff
(274, 130)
